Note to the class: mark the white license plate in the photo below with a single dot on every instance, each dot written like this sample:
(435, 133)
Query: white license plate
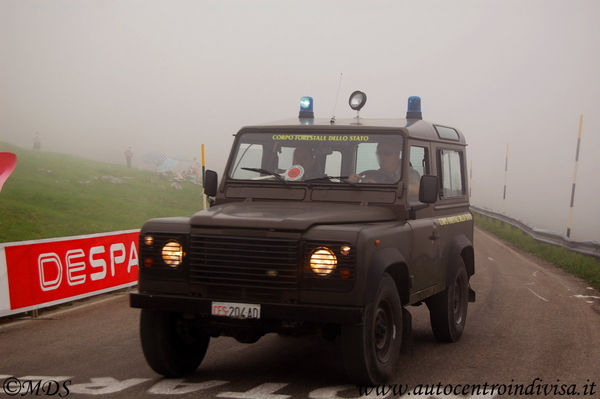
(236, 310)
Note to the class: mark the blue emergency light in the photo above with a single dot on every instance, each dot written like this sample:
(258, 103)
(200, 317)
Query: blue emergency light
(414, 108)
(306, 108)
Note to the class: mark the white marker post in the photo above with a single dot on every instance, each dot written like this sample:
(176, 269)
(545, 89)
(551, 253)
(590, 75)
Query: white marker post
(203, 171)
(470, 177)
(505, 180)
(574, 177)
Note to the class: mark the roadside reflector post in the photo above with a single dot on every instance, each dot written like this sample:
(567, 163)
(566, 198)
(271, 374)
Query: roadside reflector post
(505, 180)
(203, 171)
(570, 225)
(470, 177)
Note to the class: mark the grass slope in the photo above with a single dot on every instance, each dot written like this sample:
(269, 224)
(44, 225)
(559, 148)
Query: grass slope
(583, 266)
(56, 195)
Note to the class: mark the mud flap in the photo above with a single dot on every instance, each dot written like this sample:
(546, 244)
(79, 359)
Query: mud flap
(407, 337)
(471, 294)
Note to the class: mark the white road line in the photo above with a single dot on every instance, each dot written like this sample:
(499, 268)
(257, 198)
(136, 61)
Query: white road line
(177, 386)
(263, 391)
(535, 273)
(497, 241)
(63, 311)
(539, 296)
(586, 296)
(490, 258)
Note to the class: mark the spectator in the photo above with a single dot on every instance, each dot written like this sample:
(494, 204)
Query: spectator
(128, 156)
(37, 142)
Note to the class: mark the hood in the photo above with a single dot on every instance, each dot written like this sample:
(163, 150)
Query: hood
(288, 216)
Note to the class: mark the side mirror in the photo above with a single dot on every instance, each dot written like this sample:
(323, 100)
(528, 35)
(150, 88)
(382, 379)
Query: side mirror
(428, 189)
(210, 183)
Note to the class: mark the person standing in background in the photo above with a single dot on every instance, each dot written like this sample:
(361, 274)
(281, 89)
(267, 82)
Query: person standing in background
(128, 156)
(37, 142)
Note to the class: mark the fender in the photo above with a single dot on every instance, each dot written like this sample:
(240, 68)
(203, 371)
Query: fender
(392, 261)
(459, 244)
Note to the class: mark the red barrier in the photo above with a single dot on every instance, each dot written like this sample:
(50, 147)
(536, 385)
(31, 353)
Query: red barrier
(47, 272)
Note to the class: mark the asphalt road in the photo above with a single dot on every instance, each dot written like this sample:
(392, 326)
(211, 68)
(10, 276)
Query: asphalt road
(531, 320)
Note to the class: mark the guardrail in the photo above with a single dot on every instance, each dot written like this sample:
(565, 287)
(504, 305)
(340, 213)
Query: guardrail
(583, 247)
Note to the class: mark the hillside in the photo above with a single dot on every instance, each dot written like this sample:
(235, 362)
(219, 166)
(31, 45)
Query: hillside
(55, 195)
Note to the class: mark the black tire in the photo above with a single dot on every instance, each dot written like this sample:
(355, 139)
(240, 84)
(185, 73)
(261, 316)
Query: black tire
(171, 345)
(448, 309)
(371, 351)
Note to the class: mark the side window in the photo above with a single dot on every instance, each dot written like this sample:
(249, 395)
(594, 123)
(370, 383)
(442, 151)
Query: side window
(418, 167)
(451, 171)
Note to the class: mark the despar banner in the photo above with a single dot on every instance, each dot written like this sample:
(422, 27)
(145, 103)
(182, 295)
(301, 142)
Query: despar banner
(48, 272)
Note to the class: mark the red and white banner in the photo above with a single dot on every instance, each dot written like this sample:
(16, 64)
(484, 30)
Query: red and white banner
(41, 273)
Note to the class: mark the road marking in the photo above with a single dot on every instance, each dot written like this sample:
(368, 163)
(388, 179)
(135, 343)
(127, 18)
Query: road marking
(535, 273)
(44, 378)
(176, 386)
(586, 296)
(509, 249)
(589, 288)
(63, 311)
(539, 296)
(105, 385)
(530, 283)
(332, 393)
(263, 391)
(490, 258)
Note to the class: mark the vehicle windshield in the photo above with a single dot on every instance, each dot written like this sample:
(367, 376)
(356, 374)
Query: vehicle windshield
(337, 158)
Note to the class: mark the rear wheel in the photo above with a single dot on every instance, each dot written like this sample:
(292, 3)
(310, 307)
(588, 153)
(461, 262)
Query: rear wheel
(448, 309)
(171, 344)
(371, 351)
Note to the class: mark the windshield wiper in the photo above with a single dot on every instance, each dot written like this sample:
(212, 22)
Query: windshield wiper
(267, 172)
(342, 179)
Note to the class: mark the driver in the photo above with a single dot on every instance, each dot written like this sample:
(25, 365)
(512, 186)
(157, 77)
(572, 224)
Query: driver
(390, 166)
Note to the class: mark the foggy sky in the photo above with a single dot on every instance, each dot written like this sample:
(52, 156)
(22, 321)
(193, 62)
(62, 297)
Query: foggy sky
(95, 76)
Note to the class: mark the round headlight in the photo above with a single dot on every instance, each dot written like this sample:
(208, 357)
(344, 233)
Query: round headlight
(357, 100)
(172, 253)
(323, 261)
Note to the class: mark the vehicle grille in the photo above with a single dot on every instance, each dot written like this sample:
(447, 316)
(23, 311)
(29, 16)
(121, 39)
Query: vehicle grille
(239, 266)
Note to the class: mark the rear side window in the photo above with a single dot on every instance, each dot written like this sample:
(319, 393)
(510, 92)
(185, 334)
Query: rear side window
(446, 133)
(451, 170)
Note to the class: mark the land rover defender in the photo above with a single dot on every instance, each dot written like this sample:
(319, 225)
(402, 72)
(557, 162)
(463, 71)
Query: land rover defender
(334, 226)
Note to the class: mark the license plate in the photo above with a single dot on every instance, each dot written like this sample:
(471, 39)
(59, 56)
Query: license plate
(236, 310)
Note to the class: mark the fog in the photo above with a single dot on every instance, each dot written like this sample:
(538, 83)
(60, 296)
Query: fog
(93, 77)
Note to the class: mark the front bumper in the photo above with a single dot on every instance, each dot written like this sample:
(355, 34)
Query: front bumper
(269, 311)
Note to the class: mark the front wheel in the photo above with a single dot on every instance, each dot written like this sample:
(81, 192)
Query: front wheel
(371, 351)
(171, 344)
(448, 309)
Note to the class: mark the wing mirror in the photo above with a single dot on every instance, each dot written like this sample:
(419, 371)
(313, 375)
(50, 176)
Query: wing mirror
(428, 189)
(210, 183)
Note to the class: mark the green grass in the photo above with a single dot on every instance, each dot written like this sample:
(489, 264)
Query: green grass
(37, 204)
(583, 266)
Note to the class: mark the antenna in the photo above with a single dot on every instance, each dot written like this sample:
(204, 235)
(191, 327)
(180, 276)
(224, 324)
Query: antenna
(337, 96)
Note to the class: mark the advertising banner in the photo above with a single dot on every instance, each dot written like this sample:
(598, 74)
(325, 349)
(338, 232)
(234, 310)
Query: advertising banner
(40, 273)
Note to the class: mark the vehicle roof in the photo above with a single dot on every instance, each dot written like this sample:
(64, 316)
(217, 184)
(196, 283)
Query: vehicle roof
(415, 128)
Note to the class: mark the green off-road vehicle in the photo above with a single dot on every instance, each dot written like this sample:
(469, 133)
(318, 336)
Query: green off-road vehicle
(316, 225)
